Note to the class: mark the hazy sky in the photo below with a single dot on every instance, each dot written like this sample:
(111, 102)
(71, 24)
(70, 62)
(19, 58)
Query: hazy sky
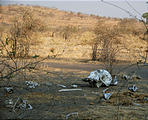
(136, 7)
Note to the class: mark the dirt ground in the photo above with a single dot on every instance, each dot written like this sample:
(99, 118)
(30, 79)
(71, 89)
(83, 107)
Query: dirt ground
(88, 103)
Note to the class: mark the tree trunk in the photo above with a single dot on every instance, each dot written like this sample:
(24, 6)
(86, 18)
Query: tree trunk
(94, 51)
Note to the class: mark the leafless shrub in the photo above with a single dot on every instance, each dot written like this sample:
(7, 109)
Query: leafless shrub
(68, 31)
(21, 33)
(108, 43)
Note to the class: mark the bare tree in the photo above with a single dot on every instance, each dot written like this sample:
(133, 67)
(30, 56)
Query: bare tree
(107, 40)
(21, 33)
(141, 18)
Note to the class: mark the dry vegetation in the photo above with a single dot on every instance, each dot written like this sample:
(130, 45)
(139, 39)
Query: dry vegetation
(36, 32)
(73, 32)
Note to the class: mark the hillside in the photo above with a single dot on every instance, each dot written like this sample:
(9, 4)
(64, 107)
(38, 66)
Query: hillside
(55, 22)
(51, 16)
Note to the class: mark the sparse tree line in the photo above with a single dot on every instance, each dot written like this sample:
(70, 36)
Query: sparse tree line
(21, 35)
(107, 44)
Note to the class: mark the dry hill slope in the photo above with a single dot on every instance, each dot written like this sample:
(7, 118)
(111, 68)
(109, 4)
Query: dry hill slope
(52, 37)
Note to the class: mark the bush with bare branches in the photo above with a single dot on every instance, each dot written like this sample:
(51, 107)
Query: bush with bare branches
(106, 45)
(21, 33)
(68, 31)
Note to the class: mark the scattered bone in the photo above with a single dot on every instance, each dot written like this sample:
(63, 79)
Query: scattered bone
(8, 89)
(22, 104)
(133, 88)
(106, 94)
(114, 81)
(66, 90)
(31, 84)
(73, 113)
(74, 86)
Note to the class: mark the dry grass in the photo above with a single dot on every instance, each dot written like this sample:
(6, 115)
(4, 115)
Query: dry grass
(47, 102)
(77, 46)
(53, 17)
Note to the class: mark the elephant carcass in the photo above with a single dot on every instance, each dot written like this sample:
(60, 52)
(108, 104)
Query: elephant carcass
(98, 77)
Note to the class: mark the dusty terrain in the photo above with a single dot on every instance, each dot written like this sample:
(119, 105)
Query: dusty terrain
(49, 103)
(69, 67)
